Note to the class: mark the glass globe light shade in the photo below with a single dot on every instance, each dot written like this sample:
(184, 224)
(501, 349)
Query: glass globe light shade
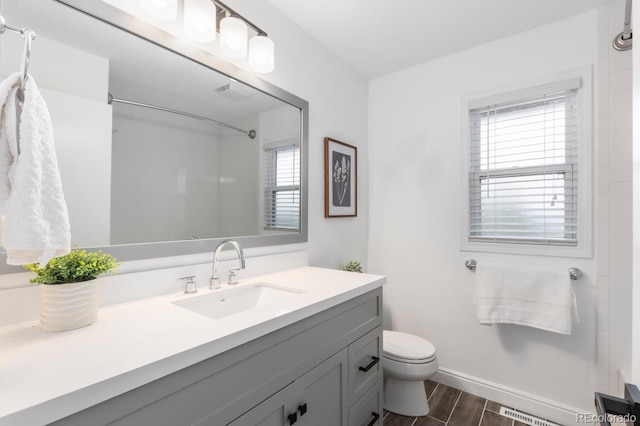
(261, 54)
(200, 20)
(160, 10)
(233, 38)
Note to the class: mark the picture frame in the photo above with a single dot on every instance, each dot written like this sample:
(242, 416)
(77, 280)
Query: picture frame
(340, 179)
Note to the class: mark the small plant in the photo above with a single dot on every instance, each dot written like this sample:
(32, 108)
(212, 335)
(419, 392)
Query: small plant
(74, 267)
(352, 266)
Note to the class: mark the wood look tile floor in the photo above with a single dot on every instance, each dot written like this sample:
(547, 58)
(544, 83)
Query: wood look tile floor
(453, 407)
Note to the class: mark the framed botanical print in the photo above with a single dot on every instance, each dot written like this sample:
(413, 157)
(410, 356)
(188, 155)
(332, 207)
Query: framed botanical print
(341, 182)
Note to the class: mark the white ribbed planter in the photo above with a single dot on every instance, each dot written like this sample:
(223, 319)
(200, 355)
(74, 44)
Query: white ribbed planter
(68, 306)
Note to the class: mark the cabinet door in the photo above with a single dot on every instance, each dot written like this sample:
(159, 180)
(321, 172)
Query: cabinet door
(368, 410)
(317, 398)
(321, 394)
(365, 364)
(273, 411)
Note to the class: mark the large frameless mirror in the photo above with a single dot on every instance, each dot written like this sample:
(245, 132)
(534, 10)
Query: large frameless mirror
(164, 149)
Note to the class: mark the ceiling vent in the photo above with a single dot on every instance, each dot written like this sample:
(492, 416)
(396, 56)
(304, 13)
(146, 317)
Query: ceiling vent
(235, 90)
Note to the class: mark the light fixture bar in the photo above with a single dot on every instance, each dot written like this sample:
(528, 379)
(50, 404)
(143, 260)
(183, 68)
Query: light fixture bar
(237, 15)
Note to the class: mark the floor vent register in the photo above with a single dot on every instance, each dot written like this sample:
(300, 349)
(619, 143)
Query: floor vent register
(524, 418)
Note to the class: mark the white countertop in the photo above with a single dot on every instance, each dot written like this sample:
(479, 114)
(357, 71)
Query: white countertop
(48, 376)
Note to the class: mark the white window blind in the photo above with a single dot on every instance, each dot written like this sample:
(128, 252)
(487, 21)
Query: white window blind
(523, 170)
(282, 188)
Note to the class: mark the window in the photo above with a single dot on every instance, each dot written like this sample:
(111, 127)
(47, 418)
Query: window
(523, 167)
(282, 188)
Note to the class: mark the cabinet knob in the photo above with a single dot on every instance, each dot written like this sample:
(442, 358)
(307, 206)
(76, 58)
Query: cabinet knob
(293, 417)
(373, 421)
(374, 361)
(303, 409)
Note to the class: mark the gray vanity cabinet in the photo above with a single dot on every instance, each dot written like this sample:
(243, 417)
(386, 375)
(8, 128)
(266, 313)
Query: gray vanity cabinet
(324, 369)
(316, 398)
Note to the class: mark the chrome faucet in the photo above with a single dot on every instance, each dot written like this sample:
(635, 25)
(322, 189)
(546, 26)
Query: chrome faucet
(214, 281)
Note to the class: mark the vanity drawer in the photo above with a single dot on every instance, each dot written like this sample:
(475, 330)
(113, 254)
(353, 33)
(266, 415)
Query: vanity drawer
(368, 411)
(365, 363)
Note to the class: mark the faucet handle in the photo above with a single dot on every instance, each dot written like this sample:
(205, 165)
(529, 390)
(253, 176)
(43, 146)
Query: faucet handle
(214, 283)
(232, 276)
(190, 284)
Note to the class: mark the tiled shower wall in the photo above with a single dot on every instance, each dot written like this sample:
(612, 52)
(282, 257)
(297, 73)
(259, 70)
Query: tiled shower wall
(613, 203)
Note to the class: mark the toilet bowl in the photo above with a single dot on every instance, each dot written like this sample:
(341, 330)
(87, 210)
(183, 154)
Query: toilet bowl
(407, 362)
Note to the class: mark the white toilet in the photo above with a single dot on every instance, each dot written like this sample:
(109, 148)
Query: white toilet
(407, 362)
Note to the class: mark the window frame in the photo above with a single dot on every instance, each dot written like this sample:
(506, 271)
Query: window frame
(270, 191)
(584, 246)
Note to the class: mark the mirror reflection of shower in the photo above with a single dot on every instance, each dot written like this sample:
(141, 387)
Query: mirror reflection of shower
(624, 40)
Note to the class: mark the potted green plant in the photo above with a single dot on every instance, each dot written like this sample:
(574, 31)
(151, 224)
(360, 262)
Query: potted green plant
(69, 289)
(352, 266)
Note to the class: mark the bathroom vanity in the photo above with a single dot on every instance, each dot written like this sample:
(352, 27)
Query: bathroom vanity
(308, 357)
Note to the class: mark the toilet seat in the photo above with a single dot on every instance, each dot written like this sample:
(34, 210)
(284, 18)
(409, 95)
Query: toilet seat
(410, 361)
(407, 348)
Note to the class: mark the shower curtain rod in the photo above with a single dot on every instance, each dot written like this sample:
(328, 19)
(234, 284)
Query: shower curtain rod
(624, 40)
(250, 133)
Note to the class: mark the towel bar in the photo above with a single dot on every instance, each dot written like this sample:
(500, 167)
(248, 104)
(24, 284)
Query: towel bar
(574, 273)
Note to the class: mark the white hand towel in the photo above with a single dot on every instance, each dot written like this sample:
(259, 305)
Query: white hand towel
(518, 294)
(35, 220)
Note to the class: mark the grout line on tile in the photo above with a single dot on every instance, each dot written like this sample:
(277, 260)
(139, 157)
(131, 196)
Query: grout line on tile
(454, 408)
(433, 391)
(484, 408)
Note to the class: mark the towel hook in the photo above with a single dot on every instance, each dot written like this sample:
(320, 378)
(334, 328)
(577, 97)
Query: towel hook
(29, 36)
(574, 273)
(26, 58)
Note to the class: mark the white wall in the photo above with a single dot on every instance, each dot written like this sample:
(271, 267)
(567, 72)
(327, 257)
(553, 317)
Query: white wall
(415, 139)
(614, 204)
(239, 164)
(165, 177)
(635, 359)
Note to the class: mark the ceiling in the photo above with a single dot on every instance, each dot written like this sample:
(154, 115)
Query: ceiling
(377, 38)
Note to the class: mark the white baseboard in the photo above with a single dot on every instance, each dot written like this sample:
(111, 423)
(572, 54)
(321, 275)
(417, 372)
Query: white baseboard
(512, 398)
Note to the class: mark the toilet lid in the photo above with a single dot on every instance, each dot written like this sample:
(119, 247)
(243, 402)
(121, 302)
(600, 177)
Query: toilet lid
(406, 346)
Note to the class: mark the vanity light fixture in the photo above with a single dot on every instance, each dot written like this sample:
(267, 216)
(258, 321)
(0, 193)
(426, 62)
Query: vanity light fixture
(200, 20)
(160, 10)
(233, 41)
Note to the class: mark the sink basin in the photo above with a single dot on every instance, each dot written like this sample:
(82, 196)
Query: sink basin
(229, 302)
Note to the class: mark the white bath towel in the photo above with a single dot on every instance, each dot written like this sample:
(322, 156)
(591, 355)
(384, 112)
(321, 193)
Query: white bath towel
(35, 220)
(520, 294)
